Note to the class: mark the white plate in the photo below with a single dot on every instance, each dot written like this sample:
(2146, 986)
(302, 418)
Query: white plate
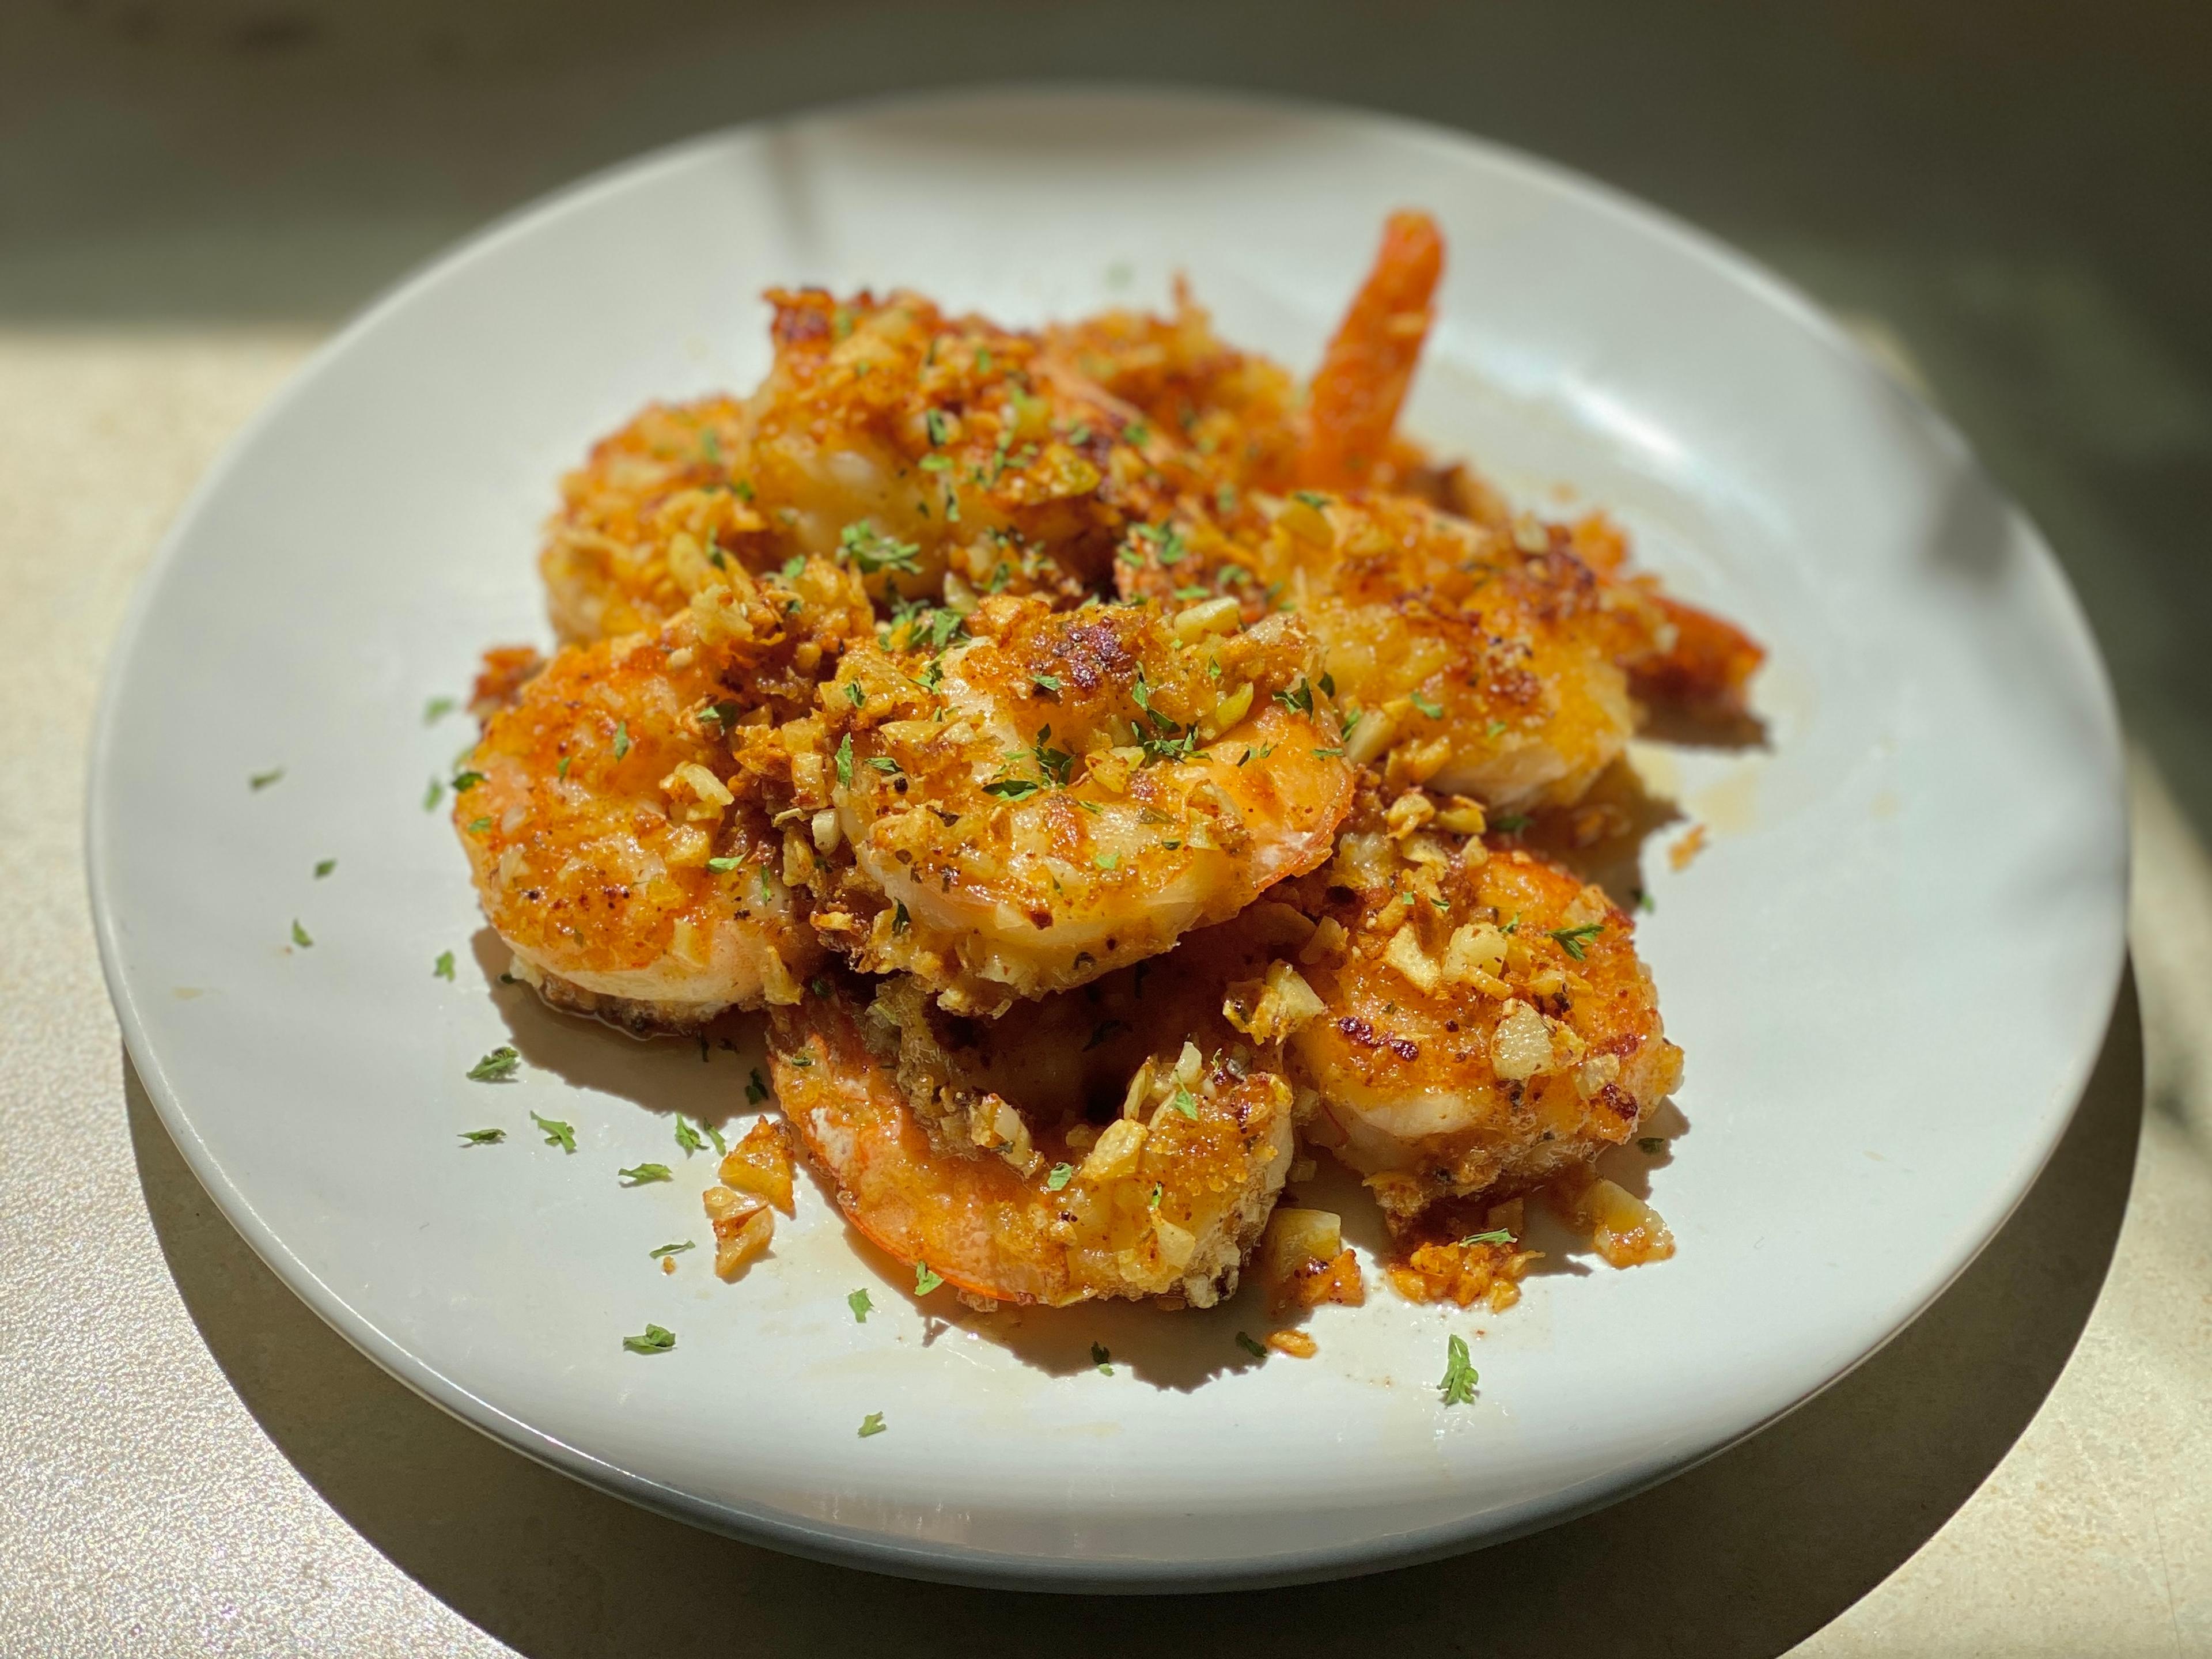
(1891, 971)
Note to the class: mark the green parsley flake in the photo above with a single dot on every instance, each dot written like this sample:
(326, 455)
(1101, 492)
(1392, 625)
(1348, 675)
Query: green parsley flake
(483, 1137)
(433, 795)
(323, 866)
(299, 934)
(1156, 1190)
(1185, 1101)
(872, 551)
(1013, 789)
(925, 1281)
(654, 1339)
(1510, 823)
(687, 1137)
(261, 781)
(443, 967)
(873, 1424)
(666, 1251)
(1575, 941)
(1299, 699)
(1494, 729)
(478, 826)
(1652, 1145)
(854, 694)
(1100, 1354)
(1061, 1176)
(1256, 1350)
(645, 1173)
(1048, 684)
(1460, 1375)
(755, 1088)
(899, 919)
(1433, 710)
(723, 865)
(1107, 860)
(1645, 902)
(721, 1146)
(1311, 498)
(1496, 1235)
(622, 738)
(497, 1067)
(464, 780)
(437, 708)
(558, 1134)
(845, 761)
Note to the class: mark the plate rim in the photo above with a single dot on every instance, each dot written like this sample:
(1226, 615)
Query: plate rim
(956, 1563)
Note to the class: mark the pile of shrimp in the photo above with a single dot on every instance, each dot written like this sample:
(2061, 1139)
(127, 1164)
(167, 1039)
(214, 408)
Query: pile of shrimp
(1101, 756)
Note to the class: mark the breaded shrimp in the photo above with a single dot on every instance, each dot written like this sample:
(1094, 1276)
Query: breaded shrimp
(629, 867)
(1031, 798)
(1475, 663)
(911, 446)
(1487, 1027)
(1119, 1141)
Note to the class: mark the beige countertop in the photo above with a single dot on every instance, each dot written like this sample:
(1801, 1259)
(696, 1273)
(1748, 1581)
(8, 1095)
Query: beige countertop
(191, 1464)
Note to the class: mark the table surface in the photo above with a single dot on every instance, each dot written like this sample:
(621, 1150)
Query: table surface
(191, 1464)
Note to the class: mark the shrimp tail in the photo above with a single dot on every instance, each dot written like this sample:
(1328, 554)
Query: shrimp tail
(1370, 360)
(1707, 668)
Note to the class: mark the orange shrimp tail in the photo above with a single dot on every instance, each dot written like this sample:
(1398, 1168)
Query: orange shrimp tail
(1708, 669)
(1370, 361)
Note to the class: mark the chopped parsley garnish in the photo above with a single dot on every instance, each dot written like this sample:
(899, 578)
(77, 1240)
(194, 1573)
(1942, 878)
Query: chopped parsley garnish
(925, 1281)
(1510, 823)
(464, 779)
(1107, 860)
(299, 934)
(1256, 1350)
(1428, 706)
(1311, 498)
(323, 866)
(478, 826)
(645, 1173)
(872, 551)
(621, 741)
(1575, 941)
(854, 694)
(861, 1306)
(1134, 433)
(1156, 1190)
(845, 761)
(1299, 699)
(1494, 729)
(821, 986)
(1048, 684)
(1184, 1102)
(497, 1067)
(558, 1134)
(755, 1088)
(721, 1146)
(667, 1250)
(899, 919)
(1330, 754)
(1100, 1356)
(1061, 1176)
(1460, 1375)
(443, 967)
(1645, 902)
(1013, 789)
(437, 708)
(261, 781)
(873, 1424)
(793, 565)
(1495, 1236)
(433, 795)
(654, 1339)
(934, 420)
(688, 1138)
(721, 865)
(1652, 1145)
(1056, 764)
(483, 1137)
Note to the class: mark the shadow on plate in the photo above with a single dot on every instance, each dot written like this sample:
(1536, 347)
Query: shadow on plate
(1744, 1555)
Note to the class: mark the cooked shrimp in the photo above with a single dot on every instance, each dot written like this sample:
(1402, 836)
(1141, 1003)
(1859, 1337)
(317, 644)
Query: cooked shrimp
(911, 446)
(1486, 1027)
(1118, 1140)
(1462, 660)
(1353, 404)
(1677, 655)
(1031, 798)
(631, 870)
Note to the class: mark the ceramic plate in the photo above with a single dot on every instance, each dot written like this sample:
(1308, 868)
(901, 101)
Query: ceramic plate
(1891, 968)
